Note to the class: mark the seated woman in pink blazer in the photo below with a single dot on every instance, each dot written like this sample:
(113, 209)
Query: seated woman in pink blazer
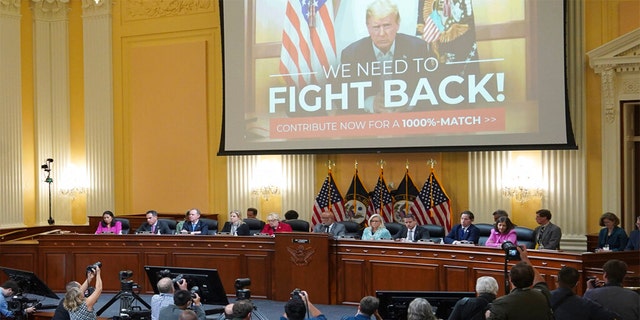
(108, 224)
(504, 230)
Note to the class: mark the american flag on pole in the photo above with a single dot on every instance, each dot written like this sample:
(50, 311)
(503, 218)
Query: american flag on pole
(433, 206)
(308, 42)
(328, 199)
(381, 200)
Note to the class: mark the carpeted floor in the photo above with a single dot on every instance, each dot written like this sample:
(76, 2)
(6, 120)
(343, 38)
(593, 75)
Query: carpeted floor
(267, 309)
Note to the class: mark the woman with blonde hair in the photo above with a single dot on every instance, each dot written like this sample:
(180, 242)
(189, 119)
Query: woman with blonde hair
(79, 307)
(376, 229)
(235, 226)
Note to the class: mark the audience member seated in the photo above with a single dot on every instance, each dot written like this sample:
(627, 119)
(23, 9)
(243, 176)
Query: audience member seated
(420, 309)
(252, 213)
(352, 229)
(109, 224)
(291, 215)
(182, 301)
(499, 213)
(634, 237)
(502, 231)
(547, 235)
(610, 293)
(274, 225)
(525, 237)
(242, 310)
(611, 237)
(153, 224)
(376, 230)
(193, 225)
(524, 301)
(367, 308)
(235, 226)
(298, 225)
(296, 309)
(411, 231)
(484, 231)
(465, 231)
(475, 308)
(329, 225)
(567, 305)
(164, 297)
(212, 225)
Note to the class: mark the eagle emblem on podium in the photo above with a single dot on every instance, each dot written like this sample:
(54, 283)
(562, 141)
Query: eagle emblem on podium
(301, 256)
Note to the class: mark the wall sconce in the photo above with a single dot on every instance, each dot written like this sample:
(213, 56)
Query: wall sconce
(521, 186)
(73, 182)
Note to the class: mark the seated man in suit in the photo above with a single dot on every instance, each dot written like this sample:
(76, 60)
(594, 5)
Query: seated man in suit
(154, 225)
(193, 225)
(411, 232)
(547, 235)
(465, 231)
(329, 225)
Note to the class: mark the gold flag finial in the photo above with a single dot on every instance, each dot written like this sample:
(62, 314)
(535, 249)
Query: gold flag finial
(356, 165)
(381, 163)
(431, 163)
(406, 165)
(330, 164)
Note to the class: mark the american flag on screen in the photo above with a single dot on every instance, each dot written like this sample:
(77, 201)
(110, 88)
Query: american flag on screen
(328, 199)
(433, 206)
(308, 41)
(381, 200)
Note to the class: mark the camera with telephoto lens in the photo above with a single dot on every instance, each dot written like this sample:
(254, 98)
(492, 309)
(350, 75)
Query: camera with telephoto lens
(178, 279)
(92, 268)
(19, 303)
(296, 294)
(510, 251)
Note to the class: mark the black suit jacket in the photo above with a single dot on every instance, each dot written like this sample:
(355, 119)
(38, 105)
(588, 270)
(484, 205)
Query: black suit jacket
(420, 233)
(243, 228)
(160, 226)
(361, 53)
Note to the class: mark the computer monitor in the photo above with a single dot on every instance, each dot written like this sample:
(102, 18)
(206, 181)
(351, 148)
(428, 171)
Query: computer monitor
(29, 283)
(394, 304)
(207, 280)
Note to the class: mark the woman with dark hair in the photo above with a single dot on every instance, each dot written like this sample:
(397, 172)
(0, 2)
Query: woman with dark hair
(109, 224)
(634, 237)
(503, 230)
(611, 237)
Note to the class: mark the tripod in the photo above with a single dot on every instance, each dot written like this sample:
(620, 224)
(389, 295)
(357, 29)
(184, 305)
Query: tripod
(126, 297)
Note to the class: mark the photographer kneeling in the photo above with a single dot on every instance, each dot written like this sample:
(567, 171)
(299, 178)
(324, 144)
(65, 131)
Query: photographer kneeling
(296, 308)
(9, 289)
(182, 299)
(79, 307)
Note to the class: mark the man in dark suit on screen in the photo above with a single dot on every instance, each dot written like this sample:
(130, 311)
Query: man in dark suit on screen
(384, 55)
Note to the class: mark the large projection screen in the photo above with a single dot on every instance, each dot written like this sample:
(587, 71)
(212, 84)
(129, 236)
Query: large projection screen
(353, 76)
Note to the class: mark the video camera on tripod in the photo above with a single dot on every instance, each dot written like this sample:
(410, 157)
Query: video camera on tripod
(19, 303)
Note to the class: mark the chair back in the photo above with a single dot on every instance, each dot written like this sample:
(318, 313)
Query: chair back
(298, 225)
(125, 225)
(525, 237)
(393, 227)
(171, 224)
(212, 225)
(255, 225)
(352, 229)
(484, 232)
(436, 232)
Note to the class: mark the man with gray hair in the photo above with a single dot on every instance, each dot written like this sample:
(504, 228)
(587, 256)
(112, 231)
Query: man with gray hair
(474, 308)
(164, 296)
(368, 307)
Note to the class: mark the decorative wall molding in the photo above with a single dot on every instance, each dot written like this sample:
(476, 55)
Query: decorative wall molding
(50, 10)
(96, 7)
(144, 9)
(11, 183)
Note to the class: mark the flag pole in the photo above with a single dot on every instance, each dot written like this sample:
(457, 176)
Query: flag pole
(381, 163)
(431, 163)
(330, 177)
(406, 188)
(355, 177)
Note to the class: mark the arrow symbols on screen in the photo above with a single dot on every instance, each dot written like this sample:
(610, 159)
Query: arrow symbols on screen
(490, 119)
